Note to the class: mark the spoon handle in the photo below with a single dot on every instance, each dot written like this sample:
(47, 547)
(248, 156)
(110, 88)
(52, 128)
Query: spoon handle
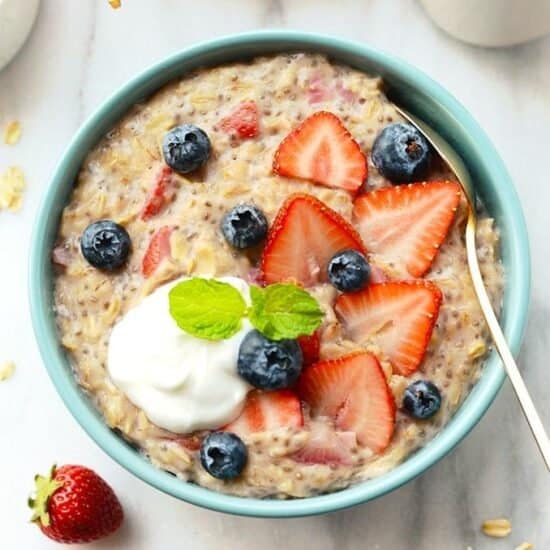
(531, 414)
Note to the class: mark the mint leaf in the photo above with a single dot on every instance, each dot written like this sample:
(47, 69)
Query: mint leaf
(207, 308)
(284, 311)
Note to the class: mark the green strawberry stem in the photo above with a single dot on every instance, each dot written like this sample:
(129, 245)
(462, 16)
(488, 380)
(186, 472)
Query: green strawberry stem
(45, 487)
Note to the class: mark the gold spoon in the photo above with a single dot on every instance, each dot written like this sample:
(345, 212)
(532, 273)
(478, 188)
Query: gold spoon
(455, 163)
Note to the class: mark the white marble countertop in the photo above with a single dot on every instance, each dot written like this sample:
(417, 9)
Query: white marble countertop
(78, 54)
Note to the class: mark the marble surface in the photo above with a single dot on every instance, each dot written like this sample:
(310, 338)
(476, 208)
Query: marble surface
(78, 54)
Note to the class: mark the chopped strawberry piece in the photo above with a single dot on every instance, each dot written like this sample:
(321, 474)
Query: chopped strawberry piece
(325, 446)
(352, 390)
(406, 224)
(303, 238)
(158, 249)
(316, 94)
(321, 150)
(190, 442)
(255, 277)
(317, 89)
(310, 347)
(160, 195)
(243, 121)
(267, 411)
(345, 93)
(397, 316)
(61, 255)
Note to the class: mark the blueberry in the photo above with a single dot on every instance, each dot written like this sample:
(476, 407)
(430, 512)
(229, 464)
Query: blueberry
(348, 271)
(186, 148)
(422, 399)
(269, 364)
(223, 455)
(244, 226)
(401, 153)
(105, 245)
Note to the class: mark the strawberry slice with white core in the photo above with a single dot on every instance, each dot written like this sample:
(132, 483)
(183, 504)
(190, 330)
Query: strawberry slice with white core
(321, 150)
(353, 391)
(268, 411)
(303, 238)
(406, 224)
(396, 316)
(326, 446)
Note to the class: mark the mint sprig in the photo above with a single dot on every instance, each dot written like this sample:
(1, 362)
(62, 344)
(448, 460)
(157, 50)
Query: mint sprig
(207, 308)
(284, 311)
(213, 310)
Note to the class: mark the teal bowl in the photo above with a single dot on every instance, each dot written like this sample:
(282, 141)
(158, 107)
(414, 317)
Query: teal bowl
(407, 86)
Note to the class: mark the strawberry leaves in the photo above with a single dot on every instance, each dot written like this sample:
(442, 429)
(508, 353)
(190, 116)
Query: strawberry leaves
(46, 486)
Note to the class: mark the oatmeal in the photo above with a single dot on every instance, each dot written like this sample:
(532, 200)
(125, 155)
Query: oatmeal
(287, 137)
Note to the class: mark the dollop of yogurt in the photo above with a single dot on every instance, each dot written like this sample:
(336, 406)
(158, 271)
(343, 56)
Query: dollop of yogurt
(181, 382)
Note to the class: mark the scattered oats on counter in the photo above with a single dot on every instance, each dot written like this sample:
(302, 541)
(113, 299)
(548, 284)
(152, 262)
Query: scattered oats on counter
(7, 368)
(12, 185)
(12, 132)
(525, 546)
(498, 528)
(115, 4)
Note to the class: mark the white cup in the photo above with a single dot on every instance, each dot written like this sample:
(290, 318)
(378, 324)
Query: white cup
(491, 22)
(16, 21)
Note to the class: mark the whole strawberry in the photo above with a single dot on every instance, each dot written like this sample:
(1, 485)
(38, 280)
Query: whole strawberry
(74, 505)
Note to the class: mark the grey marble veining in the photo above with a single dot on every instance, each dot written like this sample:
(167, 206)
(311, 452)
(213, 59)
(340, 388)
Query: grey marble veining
(79, 53)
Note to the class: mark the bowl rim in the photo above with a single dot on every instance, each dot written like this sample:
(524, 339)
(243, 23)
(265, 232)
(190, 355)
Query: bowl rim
(464, 419)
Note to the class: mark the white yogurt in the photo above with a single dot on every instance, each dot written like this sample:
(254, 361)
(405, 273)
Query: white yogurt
(181, 382)
(16, 21)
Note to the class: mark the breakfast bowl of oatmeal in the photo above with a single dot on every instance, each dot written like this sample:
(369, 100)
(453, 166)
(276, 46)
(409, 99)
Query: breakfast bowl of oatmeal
(248, 276)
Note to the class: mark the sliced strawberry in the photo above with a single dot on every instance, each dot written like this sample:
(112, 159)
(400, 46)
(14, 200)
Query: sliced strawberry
(160, 195)
(243, 121)
(397, 316)
(353, 391)
(320, 149)
(158, 249)
(406, 224)
(325, 446)
(303, 238)
(310, 347)
(267, 411)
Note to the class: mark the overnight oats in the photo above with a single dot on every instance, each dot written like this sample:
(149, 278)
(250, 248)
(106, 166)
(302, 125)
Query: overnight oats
(261, 280)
